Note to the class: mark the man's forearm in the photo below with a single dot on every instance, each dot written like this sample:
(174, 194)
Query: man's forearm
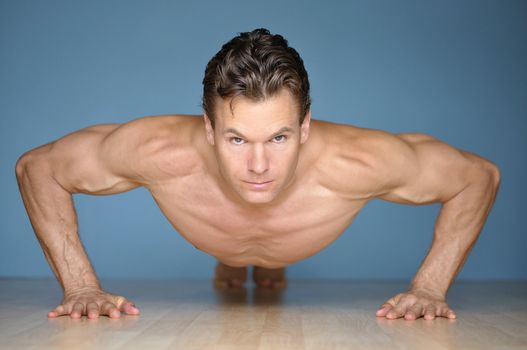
(52, 215)
(457, 228)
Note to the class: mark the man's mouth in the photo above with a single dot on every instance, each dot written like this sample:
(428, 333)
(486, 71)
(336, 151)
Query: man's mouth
(259, 184)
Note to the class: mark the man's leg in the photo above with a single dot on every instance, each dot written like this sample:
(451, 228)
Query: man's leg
(269, 278)
(226, 276)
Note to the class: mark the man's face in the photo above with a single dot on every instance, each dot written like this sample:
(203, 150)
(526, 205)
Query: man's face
(257, 144)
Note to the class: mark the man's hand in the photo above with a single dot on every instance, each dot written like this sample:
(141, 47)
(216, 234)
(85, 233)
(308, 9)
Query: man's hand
(93, 302)
(414, 304)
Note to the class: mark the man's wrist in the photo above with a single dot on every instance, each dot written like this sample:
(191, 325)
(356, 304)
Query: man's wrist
(82, 286)
(82, 289)
(432, 289)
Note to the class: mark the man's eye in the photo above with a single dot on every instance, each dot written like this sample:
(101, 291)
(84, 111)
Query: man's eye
(280, 138)
(236, 140)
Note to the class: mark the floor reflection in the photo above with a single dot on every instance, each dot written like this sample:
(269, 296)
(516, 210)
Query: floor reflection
(122, 323)
(241, 295)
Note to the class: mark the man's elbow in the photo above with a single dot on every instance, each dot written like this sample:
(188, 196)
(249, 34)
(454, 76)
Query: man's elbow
(21, 164)
(25, 160)
(497, 177)
(494, 172)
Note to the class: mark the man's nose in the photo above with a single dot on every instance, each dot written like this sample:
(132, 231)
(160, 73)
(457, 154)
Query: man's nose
(258, 162)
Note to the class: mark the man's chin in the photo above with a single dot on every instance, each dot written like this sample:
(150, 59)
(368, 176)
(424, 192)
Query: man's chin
(258, 197)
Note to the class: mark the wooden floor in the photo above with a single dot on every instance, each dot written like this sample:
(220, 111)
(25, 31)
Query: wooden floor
(309, 314)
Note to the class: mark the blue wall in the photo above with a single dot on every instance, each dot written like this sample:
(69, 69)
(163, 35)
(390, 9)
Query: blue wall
(452, 69)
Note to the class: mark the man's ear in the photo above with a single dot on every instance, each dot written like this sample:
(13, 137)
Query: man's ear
(304, 128)
(209, 130)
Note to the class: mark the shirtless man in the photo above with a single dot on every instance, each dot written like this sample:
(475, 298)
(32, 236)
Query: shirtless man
(255, 181)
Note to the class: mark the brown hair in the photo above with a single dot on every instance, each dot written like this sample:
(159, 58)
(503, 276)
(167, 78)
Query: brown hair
(255, 65)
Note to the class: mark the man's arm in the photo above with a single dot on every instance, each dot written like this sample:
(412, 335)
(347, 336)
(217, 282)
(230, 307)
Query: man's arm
(419, 169)
(94, 160)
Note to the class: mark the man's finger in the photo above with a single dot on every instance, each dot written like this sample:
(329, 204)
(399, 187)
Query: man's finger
(119, 301)
(126, 306)
(58, 311)
(413, 312)
(383, 310)
(430, 312)
(129, 308)
(92, 310)
(447, 312)
(77, 311)
(110, 310)
(396, 312)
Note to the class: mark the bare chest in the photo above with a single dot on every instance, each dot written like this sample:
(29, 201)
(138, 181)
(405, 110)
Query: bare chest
(307, 222)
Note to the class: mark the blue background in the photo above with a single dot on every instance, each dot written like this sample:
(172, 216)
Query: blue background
(455, 70)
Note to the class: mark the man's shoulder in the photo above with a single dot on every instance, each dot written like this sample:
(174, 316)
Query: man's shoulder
(161, 129)
(353, 143)
(355, 156)
(163, 124)
(164, 144)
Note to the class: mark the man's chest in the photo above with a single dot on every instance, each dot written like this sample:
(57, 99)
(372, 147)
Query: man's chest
(308, 221)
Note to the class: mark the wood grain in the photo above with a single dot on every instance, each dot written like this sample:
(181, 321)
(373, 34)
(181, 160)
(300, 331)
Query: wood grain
(309, 314)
